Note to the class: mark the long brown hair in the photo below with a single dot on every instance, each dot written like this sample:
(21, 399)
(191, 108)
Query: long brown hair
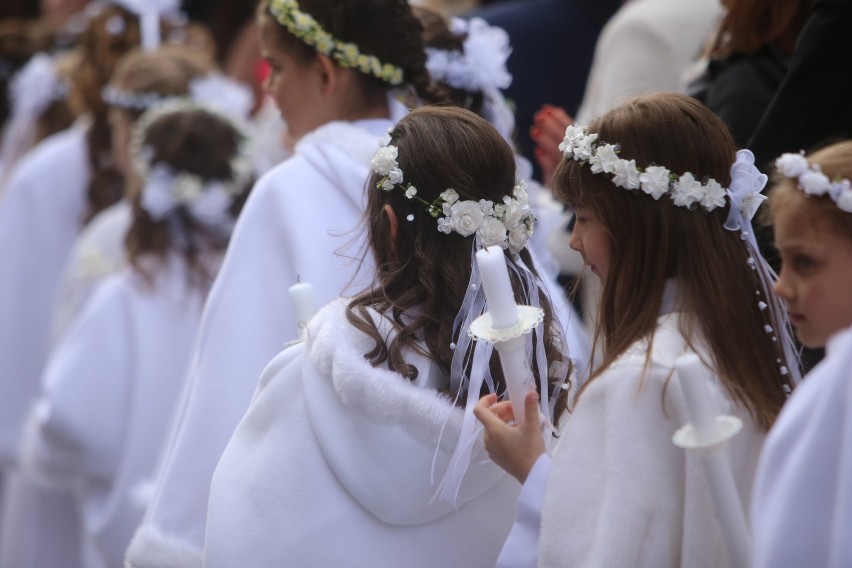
(386, 29)
(655, 241)
(193, 141)
(423, 274)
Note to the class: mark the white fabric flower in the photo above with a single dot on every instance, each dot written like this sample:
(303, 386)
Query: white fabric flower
(844, 200)
(385, 160)
(387, 184)
(513, 213)
(520, 192)
(584, 147)
(491, 232)
(655, 181)
(411, 192)
(714, 195)
(814, 182)
(187, 187)
(446, 208)
(605, 159)
(626, 174)
(791, 165)
(445, 225)
(395, 175)
(487, 207)
(687, 190)
(466, 217)
(518, 238)
(450, 196)
(572, 134)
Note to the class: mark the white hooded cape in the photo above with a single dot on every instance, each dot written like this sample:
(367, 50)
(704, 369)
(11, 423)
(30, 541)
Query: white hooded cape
(108, 396)
(332, 466)
(620, 493)
(41, 212)
(296, 218)
(40, 216)
(802, 506)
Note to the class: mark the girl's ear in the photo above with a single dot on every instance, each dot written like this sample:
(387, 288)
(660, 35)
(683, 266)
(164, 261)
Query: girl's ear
(329, 74)
(394, 227)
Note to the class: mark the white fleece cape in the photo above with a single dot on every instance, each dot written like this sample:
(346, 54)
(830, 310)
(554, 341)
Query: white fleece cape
(108, 396)
(98, 252)
(41, 213)
(40, 216)
(620, 493)
(802, 505)
(332, 466)
(296, 219)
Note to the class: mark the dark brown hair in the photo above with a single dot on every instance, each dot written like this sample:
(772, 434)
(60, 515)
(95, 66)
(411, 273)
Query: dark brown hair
(423, 274)
(836, 163)
(194, 141)
(750, 25)
(386, 29)
(654, 241)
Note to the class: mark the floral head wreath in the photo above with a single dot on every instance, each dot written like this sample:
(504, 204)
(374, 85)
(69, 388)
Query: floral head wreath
(508, 224)
(307, 29)
(810, 179)
(214, 90)
(686, 191)
(166, 189)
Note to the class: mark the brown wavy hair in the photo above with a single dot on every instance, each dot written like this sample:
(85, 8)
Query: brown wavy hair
(655, 241)
(387, 29)
(199, 142)
(422, 274)
(835, 161)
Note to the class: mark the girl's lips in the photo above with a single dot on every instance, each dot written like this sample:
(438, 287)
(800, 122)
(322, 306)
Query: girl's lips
(795, 318)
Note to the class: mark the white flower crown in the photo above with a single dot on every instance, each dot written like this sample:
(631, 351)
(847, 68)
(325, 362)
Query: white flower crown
(810, 179)
(165, 189)
(306, 28)
(508, 224)
(656, 181)
(215, 90)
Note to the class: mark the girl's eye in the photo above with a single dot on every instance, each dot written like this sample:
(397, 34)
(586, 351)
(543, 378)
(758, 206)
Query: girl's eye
(803, 263)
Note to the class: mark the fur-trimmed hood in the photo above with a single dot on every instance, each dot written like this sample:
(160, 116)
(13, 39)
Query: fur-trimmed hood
(379, 432)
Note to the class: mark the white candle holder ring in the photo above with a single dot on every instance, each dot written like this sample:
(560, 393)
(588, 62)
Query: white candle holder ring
(482, 328)
(725, 428)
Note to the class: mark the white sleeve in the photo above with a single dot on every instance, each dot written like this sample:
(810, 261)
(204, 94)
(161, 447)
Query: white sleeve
(521, 547)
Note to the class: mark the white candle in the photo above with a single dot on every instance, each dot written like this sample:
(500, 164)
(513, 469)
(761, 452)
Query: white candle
(304, 304)
(504, 314)
(498, 287)
(691, 373)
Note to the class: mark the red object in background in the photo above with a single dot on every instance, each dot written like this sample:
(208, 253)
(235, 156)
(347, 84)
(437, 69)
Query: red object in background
(261, 71)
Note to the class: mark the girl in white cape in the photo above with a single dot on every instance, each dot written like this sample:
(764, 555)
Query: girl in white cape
(333, 66)
(681, 273)
(802, 505)
(338, 458)
(111, 385)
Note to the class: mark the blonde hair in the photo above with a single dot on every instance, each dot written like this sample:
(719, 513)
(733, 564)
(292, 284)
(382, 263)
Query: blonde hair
(655, 241)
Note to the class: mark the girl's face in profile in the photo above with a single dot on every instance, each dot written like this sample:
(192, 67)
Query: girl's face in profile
(292, 84)
(591, 239)
(816, 275)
